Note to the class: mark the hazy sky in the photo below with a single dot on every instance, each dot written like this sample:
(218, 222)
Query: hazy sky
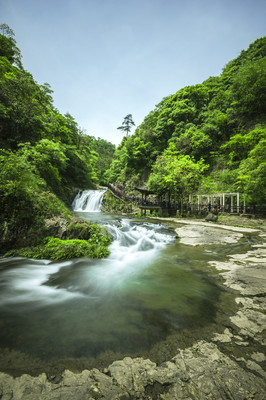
(105, 59)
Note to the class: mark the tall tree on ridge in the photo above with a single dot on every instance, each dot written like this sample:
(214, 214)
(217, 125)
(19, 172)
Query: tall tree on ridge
(127, 124)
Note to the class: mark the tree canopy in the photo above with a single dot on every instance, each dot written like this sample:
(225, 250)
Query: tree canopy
(177, 175)
(219, 122)
(44, 155)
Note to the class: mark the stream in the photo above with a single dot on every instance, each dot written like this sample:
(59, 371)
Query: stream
(148, 288)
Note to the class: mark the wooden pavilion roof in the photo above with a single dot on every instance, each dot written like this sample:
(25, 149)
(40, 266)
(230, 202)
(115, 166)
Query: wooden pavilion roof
(144, 190)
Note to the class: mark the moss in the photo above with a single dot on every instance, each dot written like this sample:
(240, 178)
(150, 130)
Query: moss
(242, 221)
(60, 238)
(78, 230)
(51, 218)
(57, 249)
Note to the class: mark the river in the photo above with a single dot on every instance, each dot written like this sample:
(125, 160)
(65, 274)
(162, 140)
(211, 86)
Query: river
(150, 287)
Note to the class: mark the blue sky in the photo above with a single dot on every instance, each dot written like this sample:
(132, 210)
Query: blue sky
(105, 59)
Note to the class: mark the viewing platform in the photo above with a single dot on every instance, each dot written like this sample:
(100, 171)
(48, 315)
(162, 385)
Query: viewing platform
(195, 204)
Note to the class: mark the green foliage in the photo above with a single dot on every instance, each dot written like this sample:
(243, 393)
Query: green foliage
(8, 45)
(219, 121)
(176, 175)
(249, 90)
(113, 204)
(104, 151)
(18, 185)
(252, 174)
(117, 171)
(30, 125)
(239, 145)
(44, 156)
(24, 199)
(81, 240)
(57, 249)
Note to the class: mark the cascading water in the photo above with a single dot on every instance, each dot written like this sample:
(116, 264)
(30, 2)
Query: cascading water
(124, 303)
(88, 201)
(134, 248)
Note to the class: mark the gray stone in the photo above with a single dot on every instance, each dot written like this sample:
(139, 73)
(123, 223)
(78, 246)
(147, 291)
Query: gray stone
(198, 235)
(211, 217)
(199, 372)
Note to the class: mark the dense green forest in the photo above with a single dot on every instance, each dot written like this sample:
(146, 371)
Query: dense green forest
(44, 157)
(205, 138)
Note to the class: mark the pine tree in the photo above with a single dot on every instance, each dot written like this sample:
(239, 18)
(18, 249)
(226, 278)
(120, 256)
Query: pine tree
(127, 124)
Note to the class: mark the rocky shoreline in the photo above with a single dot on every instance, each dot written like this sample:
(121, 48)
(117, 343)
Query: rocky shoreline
(230, 365)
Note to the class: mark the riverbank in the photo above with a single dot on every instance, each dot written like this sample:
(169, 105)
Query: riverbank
(229, 364)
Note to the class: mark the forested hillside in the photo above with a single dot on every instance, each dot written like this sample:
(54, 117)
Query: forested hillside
(210, 136)
(44, 156)
(206, 138)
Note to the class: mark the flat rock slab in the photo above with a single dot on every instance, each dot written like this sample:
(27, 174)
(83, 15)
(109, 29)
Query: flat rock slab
(210, 224)
(196, 235)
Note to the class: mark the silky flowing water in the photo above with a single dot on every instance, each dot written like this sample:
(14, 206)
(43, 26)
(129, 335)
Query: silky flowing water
(148, 288)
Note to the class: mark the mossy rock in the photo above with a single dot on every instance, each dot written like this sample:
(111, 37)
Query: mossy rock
(58, 249)
(60, 238)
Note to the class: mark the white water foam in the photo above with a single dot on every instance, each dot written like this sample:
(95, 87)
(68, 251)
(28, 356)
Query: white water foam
(26, 284)
(133, 249)
(135, 246)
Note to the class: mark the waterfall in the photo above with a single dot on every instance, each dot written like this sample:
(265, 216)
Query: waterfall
(88, 201)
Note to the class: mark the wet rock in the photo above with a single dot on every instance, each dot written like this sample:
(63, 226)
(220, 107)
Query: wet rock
(250, 322)
(132, 375)
(259, 357)
(195, 235)
(223, 337)
(211, 217)
(63, 228)
(199, 372)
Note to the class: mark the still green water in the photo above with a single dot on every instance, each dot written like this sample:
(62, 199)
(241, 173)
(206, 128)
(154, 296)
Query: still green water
(148, 288)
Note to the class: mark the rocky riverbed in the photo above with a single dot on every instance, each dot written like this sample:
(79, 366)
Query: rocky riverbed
(229, 365)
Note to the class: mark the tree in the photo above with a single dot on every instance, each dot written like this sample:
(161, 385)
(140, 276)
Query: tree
(238, 147)
(249, 89)
(105, 151)
(8, 45)
(127, 124)
(252, 174)
(176, 175)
